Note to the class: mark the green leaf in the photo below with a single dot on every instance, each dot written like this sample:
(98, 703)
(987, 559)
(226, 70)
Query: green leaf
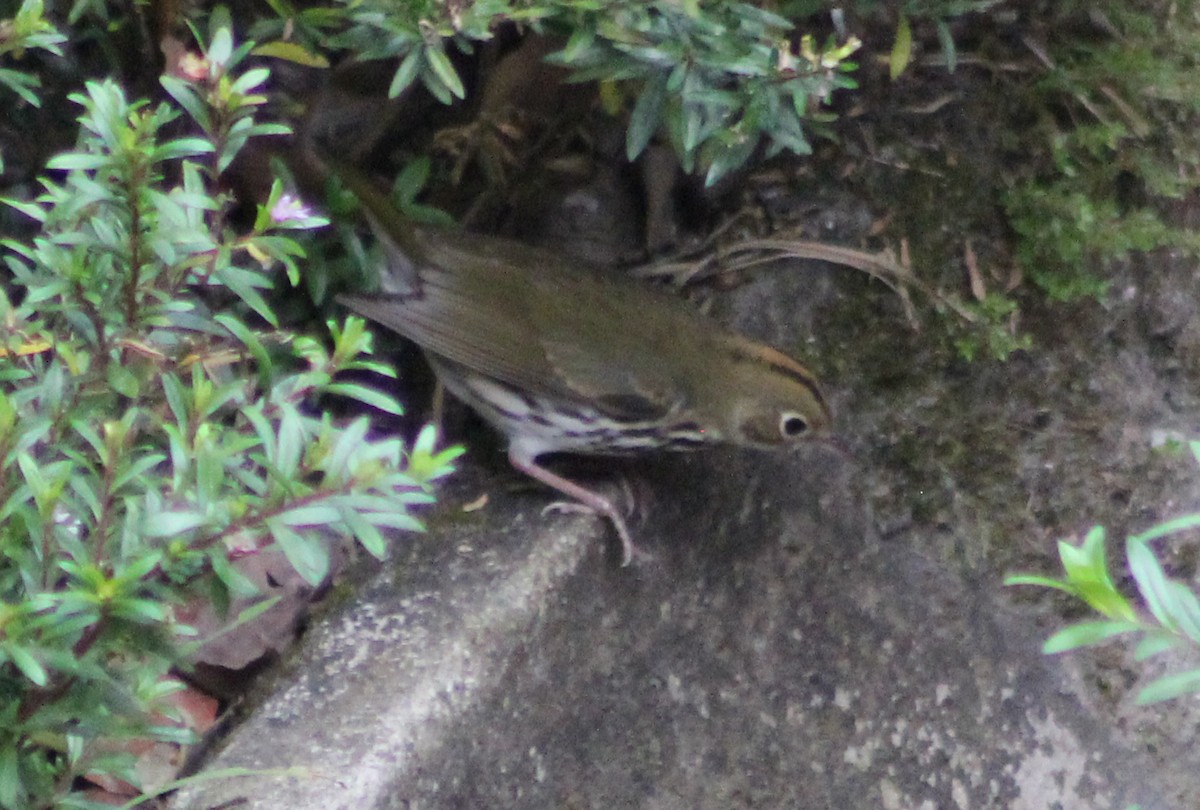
(123, 381)
(87, 432)
(177, 398)
(901, 49)
(242, 284)
(21, 84)
(292, 439)
(368, 396)
(646, 115)
(235, 139)
(238, 583)
(245, 616)
(1186, 609)
(1086, 634)
(365, 533)
(221, 47)
(395, 520)
(1087, 573)
(581, 41)
(314, 515)
(252, 612)
(1152, 582)
(135, 470)
(173, 524)
(249, 80)
(1086, 561)
(308, 555)
(427, 468)
(426, 442)
(142, 611)
(32, 473)
(246, 336)
(28, 665)
(1154, 643)
(259, 130)
(1169, 687)
(12, 791)
(409, 67)
(31, 210)
(262, 428)
(1167, 528)
(291, 52)
(949, 49)
(364, 503)
(411, 181)
(139, 568)
(183, 148)
(444, 70)
(347, 444)
(1044, 582)
(78, 161)
(731, 157)
(186, 97)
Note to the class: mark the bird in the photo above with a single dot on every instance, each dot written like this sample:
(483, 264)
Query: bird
(562, 357)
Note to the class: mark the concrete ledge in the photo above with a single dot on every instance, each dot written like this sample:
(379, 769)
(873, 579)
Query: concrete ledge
(773, 655)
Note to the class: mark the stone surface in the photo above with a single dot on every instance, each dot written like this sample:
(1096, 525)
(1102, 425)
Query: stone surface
(814, 631)
(507, 662)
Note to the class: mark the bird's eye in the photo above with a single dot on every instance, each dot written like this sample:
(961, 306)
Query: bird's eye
(792, 425)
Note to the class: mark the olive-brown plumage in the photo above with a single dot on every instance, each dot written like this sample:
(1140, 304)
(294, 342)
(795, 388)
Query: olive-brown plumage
(562, 358)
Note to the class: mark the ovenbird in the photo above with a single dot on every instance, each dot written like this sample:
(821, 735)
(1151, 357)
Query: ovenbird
(560, 357)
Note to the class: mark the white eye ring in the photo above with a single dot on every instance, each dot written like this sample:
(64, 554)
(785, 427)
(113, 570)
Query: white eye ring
(792, 425)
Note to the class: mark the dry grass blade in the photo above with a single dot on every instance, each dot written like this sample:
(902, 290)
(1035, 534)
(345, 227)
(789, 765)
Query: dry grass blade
(742, 256)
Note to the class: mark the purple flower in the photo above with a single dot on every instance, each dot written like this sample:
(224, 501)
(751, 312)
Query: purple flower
(289, 208)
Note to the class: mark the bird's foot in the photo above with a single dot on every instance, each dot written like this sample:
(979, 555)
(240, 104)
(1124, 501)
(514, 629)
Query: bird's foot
(629, 550)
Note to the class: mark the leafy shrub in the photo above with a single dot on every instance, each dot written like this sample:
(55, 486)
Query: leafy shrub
(1113, 142)
(28, 29)
(719, 77)
(1174, 610)
(155, 424)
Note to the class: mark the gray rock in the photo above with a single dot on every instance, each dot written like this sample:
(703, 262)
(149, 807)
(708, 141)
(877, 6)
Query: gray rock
(774, 653)
(812, 632)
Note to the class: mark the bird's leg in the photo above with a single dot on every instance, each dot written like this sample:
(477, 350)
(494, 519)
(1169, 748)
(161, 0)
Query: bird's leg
(587, 499)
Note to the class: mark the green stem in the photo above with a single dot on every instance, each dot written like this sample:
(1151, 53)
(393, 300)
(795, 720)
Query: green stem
(133, 194)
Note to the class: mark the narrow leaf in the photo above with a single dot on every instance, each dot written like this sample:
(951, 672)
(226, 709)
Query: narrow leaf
(1155, 643)
(395, 520)
(406, 72)
(1169, 687)
(238, 583)
(307, 554)
(172, 524)
(292, 52)
(444, 70)
(368, 396)
(1151, 581)
(949, 49)
(186, 97)
(365, 533)
(901, 49)
(646, 115)
(1173, 526)
(291, 442)
(78, 161)
(28, 665)
(313, 515)
(1086, 634)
